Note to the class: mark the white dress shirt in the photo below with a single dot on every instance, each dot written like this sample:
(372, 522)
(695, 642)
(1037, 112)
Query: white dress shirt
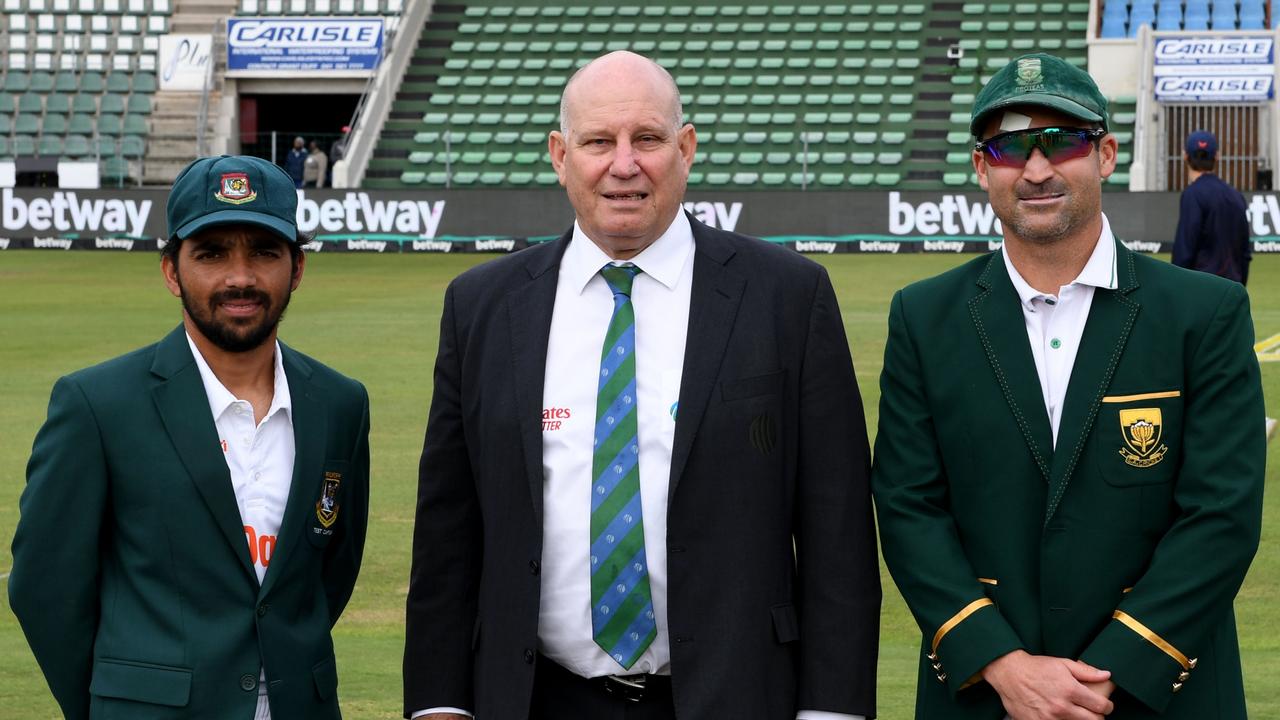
(260, 458)
(1055, 323)
(660, 297)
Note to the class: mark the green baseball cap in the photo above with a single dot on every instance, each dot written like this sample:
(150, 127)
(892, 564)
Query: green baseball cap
(1043, 80)
(233, 190)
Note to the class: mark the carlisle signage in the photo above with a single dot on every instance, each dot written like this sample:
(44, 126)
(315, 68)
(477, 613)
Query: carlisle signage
(1214, 69)
(322, 46)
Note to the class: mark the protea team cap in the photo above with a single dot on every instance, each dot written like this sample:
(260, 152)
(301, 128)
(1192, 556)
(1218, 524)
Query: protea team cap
(1041, 80)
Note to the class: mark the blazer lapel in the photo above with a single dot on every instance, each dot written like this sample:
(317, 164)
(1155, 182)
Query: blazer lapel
(529, 309)
(713, 304)
(184, 410)
(310, 425)
(1111, 317)
(997, 314)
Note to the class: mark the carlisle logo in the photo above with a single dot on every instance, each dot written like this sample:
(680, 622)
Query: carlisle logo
(235, 189)
(1140, 428)
(327, 507)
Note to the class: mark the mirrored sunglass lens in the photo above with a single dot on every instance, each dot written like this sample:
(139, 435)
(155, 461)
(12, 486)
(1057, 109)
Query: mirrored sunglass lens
(1011, 150)
(1065, 146)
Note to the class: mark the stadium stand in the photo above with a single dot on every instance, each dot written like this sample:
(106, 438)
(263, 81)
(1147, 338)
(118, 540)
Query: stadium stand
(79, 76)
(1121, 18)
(821, 96)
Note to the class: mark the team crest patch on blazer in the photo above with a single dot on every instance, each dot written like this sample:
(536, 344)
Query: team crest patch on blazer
(235, 189)
(1140, 428)
(327, 506)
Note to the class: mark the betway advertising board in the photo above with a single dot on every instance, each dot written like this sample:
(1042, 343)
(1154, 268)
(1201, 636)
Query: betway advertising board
(453, 221)
(266, 47)
(1217, 69)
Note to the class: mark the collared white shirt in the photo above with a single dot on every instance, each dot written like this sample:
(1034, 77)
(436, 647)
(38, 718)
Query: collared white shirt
(1055, 323)
(660, 297)
(583, 307)
(260, 459)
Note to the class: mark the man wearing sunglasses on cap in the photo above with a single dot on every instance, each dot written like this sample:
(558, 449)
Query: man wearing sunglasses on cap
(1069, 466)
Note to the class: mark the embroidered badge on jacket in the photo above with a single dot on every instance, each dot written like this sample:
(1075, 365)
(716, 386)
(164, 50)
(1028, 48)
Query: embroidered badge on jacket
(327, 507)
(1140, 428)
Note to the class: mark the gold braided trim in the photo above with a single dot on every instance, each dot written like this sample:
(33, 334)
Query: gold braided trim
(1128, 621)
(956, 619)
(1143, 396)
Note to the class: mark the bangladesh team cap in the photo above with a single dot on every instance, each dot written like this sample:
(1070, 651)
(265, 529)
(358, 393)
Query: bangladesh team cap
(1202, 141)
(1042, 80)
(233, 190)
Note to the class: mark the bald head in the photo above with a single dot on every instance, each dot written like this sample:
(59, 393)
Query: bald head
(619, 71)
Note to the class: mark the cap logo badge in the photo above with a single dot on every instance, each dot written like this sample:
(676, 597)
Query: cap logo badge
(235, 189)
(1030, 75)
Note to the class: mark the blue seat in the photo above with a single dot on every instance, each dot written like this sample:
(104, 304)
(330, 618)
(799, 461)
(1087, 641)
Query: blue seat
(1223, 18)
(1195, 21)
(1114, 9)
(1259, 5)
(1112, 28)
(1139, 17)
(1142, 5)
(1253, 21)
(1169, 17)
(1199, 7)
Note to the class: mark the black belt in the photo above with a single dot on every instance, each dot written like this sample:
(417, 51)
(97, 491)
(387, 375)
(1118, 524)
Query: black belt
(632, 688)
(624, 688)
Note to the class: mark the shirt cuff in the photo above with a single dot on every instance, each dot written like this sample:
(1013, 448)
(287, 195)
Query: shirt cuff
(428, 711)
(824, 715)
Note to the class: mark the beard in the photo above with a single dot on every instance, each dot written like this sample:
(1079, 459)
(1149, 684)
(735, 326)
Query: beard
(240, 335)
(1040, 229)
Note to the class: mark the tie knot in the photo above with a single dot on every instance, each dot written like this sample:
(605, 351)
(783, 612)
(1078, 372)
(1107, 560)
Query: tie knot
(620, 278)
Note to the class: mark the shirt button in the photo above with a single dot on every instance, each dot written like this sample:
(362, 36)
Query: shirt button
(528, 656)
(262, 609)
(647, 667)
(534, 567)
(248, 682)
(1055, 343)
(257, 476)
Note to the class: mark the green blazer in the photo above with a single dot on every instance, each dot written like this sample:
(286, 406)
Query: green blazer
(1126, 545)
(132, 578)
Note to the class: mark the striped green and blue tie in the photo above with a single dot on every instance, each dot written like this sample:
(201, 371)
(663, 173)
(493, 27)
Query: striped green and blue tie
(622, 620)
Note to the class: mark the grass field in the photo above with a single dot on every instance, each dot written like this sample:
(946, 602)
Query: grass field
(376, 318)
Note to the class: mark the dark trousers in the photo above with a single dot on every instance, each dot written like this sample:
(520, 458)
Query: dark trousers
(561, 695)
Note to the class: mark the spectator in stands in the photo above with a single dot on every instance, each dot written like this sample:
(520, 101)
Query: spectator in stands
(723, 564)
(1068, 550)
(314, 167)
(166, 481)
(1213, 221)
(295, 162)
(339, 150)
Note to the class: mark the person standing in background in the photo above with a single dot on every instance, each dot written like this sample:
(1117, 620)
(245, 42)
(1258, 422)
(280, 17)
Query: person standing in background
(295, 162)
(315, 166)
(1213, 222)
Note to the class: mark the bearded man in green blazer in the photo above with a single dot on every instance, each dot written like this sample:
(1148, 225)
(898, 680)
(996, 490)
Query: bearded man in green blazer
(1069, 468)
(195, 510)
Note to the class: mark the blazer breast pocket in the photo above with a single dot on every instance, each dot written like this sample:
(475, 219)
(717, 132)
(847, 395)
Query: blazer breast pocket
(328, 501)
(755, 386)
(1138, 438)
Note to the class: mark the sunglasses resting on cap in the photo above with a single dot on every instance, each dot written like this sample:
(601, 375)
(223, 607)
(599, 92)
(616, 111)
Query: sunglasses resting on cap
(1059, 144)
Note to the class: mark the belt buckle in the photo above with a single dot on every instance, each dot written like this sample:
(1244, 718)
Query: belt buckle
(626, 687)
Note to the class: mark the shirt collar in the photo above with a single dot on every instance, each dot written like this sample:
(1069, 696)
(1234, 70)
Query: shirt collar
(663, 260)
(220, 398)
(1098, 272)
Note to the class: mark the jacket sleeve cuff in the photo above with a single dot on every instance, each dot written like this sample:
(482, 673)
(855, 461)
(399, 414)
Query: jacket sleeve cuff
(964, 644)
(1141, 662)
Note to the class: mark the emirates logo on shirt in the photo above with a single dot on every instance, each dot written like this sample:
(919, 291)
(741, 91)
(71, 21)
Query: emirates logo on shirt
(553, 418)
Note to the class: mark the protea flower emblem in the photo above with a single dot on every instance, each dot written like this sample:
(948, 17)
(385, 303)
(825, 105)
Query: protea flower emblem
(1141, 429)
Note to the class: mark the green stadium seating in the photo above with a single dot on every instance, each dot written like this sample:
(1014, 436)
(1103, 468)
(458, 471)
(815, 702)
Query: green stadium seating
(857, 81)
